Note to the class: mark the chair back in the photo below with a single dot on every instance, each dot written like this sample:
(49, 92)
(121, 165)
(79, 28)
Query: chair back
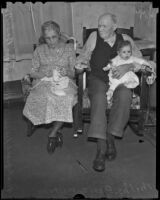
(87, 32)
(64, 37)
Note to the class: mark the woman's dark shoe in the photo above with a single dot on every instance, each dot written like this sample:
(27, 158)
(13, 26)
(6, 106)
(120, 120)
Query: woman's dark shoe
(30, 129)
(99, 162)
(111, 152)
(54, 142)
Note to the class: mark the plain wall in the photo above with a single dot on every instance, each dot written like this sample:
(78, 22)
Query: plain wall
(83, 14)
(87, 13)
(16, 71)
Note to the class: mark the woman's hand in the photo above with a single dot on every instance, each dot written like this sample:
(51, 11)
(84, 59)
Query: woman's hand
(49, 73)
(119, 71)
(62, 71)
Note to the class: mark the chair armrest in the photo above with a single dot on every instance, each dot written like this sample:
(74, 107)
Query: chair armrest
(148, 52)
(143, 89)
(136, 38)
(79, 82)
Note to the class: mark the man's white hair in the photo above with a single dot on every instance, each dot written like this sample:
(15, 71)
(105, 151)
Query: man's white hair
(113, 17)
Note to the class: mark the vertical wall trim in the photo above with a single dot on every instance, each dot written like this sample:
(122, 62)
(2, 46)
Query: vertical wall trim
(73, 29)
(33, 21)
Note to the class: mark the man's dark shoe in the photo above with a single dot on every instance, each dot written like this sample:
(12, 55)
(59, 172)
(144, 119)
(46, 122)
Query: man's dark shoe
(111, 152)
(99, 162)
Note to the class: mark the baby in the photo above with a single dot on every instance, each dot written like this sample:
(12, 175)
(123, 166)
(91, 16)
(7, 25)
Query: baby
(130, 79)
(60, 82)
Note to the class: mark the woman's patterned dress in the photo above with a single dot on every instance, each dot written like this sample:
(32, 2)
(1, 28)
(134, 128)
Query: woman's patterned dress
(42, 105)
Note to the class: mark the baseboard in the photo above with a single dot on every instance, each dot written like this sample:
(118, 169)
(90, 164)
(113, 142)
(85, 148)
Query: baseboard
(12, 90)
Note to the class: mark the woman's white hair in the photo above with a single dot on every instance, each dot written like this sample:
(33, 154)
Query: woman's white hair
(48, 25)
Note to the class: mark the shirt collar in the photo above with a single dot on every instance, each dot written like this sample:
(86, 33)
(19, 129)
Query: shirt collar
(111, 39)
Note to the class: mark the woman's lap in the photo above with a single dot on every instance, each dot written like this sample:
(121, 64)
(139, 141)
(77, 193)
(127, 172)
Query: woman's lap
(42, 106)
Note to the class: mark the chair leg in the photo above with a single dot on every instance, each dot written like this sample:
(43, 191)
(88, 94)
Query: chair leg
(135, 129)
(141, 121)
(77, 121)
(30, 128)
(138, 128)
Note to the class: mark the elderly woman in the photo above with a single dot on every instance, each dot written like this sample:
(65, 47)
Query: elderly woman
(44, 105)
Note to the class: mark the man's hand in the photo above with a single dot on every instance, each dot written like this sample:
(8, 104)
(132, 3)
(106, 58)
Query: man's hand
(108, 67)
(79, 71)
(119, 71)
(83, 65)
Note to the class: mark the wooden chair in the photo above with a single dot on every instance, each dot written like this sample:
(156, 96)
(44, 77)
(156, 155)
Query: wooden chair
(139, 101)
(87, 32)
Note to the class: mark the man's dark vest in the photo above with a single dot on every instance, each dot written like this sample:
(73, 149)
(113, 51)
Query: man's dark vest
(101, 56)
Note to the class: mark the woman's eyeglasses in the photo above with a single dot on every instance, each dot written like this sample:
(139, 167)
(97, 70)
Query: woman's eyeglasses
(51, 38)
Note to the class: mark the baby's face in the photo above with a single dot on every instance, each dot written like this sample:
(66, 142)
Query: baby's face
(125, 52)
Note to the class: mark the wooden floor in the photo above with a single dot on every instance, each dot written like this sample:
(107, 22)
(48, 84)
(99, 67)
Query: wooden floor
(29, 171)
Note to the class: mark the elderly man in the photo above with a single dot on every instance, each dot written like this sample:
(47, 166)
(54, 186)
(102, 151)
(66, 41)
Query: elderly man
(99, 49)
